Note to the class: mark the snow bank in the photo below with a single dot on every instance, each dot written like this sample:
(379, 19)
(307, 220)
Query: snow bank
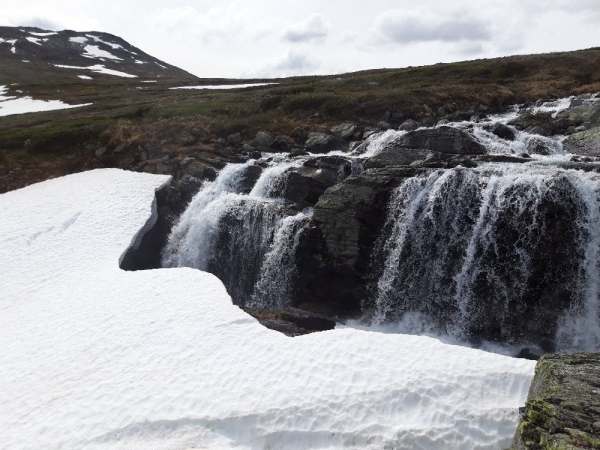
(98, 68)
(14, 105)
(94, 357)
(224, 86)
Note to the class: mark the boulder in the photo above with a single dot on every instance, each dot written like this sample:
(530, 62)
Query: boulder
(100, 151)
(198, 170)
(119, 148)
(306, 184)
(397, 156)
(502, 131)
(264, 139)
(249, 178)
(585, 143)
(442, 140)
(343, 131)
(234, 138)
(586, 114)
(562, 409)
(323, 143)
(409, 125)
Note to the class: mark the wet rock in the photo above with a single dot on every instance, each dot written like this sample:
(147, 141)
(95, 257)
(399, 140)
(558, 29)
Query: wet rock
(305, 185)
(428, 122)
(562, 407)
(298, 152)
(323, 143)
(409, 125)
(249, 178)
(542, 130)
(397, 156)
(502, 131)
(441, 112)
(443, 140)
(343, 131)
(248, 148)
(537, 146)
(264, 139)
(585, 143)
(333, 255)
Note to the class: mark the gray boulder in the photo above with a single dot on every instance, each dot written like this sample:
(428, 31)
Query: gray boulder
(323, 143)
(442, 140)
(234, 138)
(264, 139)
(585, 143)
(409, 125)
(344, 130)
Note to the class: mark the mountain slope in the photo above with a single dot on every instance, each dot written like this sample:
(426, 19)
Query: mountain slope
(26, 51)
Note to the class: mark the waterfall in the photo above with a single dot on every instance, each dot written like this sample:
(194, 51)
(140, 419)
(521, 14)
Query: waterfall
(279, 267)
(247, 240)
(463, 251)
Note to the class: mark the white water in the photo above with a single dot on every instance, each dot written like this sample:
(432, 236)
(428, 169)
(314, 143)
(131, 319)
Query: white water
(249, 240)
(451, 231)
(455, 242)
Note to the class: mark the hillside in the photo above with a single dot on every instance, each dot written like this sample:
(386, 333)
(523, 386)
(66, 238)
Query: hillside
(146, 120)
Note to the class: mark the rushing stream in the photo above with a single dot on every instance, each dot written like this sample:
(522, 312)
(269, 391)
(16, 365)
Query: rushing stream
(520, 237)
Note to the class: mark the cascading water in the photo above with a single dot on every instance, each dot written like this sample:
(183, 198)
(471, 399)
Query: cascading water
(465, 251)
(247, 240)
(503, 253)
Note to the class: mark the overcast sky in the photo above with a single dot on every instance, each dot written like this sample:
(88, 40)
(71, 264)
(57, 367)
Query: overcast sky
(272, 38)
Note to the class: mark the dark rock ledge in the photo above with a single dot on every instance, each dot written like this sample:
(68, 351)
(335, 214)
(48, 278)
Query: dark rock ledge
(563, 407)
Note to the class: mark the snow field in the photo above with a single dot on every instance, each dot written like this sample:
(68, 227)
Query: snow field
(14, 105)
(98, 358)
(224, 86)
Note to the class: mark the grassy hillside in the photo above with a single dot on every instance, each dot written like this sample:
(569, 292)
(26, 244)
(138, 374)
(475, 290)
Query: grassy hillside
(179, 123)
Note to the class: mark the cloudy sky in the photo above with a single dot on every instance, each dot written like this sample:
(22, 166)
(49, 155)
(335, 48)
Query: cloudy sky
(272, 38)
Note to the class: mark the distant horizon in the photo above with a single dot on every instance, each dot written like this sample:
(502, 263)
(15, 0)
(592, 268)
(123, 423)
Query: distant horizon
(269, 39)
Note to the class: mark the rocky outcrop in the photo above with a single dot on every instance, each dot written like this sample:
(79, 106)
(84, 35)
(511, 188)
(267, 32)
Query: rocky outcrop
(563, 407)
(443, 139)
(333, 256)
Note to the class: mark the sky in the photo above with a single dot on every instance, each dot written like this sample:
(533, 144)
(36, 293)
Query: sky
(279, 38)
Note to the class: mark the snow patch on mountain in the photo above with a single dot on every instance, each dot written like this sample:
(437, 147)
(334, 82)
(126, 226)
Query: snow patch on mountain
(98, 358)
(10, 105)
(98, 68)
(93, 51)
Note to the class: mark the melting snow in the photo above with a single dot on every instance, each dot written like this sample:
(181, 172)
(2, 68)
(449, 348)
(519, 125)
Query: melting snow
(110, 44)
(78, 40)
(98, 69)
(50, 33)
(14, 105)
(34, 40)
(98, 358)
(224, 86)
(85, 77)
(93, 51)
(139, 62)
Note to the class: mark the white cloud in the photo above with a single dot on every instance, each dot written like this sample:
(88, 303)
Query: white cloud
(406, 27)
(314, 28)
(294, 62)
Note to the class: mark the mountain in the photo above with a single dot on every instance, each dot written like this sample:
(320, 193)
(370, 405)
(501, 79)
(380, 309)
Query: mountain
(26, 52)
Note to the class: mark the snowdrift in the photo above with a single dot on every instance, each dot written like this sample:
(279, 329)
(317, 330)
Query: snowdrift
(95, 357)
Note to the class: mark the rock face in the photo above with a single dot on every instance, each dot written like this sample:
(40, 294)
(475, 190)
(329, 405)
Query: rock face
(563, 406)
(333, 255)
(344, 130)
